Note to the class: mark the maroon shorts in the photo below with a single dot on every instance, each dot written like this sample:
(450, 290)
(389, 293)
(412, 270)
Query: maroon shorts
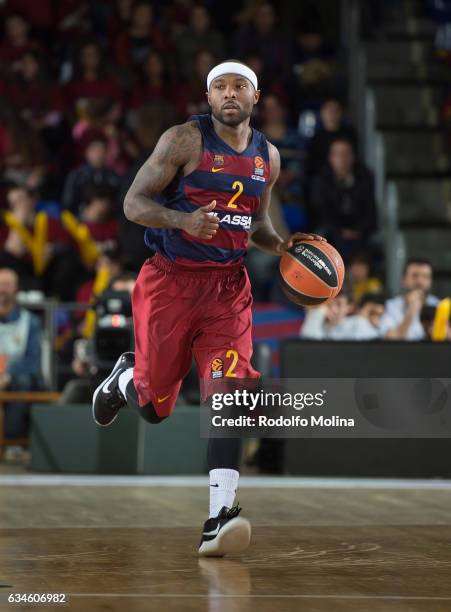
(180, 312)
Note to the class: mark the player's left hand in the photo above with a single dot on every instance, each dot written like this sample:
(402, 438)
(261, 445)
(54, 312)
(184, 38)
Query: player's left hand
(298, 237)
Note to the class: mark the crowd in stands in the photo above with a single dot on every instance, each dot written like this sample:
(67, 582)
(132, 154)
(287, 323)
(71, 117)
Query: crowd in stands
(361, 312)
(87, 88)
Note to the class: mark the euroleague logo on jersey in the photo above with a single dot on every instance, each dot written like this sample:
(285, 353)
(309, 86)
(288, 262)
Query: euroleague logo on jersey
(217, 367)
(259, 169)
(259, 163)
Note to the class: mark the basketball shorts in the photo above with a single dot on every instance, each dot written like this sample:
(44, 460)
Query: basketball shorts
(179, 313)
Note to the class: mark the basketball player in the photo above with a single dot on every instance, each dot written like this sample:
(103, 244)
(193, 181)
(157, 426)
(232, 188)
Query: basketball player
(204, 190)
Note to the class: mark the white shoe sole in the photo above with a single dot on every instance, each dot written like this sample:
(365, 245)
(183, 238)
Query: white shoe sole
(234, 537)
(96, 392)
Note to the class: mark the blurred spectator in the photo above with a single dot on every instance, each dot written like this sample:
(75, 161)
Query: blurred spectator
(263, 37)
(14, 253)
(23, 157)
(122, 146)
(119, 18)
(73, 18)
(37, 246)
(276, 129)
(84, 363)
(331, 320)
(91, 79)
(108, 267)
(104, 118)
(32, 93)
(275, 86)
(194, 90)
(314, 71)
(141, 37)
(326, 321)
(155, 84)
(401, 320)
(79, 390)
(150, 122)
(20, 353)
(98, 216)
(93, 172)
(342, 203)
(360, 276)
(40, 15)
(15, 44)
(177, 15)
(332, 125)
(197, 36)
(371, 307)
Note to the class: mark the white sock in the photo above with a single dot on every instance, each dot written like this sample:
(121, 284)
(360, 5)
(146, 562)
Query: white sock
(123, 381)
(223, 486)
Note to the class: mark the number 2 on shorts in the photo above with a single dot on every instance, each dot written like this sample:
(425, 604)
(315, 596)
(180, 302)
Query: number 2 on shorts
(234, 355)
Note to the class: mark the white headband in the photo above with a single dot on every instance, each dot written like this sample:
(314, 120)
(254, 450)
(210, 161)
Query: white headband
(232, 68)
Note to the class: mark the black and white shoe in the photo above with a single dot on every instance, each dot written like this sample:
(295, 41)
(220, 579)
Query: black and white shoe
(224, 534)
(107, 399)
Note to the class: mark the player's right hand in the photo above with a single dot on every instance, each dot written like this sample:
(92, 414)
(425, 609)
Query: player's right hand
(200, 223)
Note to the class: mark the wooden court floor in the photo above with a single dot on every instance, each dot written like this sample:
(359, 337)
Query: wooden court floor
(133, 548)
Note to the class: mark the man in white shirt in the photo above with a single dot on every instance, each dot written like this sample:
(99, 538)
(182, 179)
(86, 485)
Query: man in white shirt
(401, 320)
(330, 321)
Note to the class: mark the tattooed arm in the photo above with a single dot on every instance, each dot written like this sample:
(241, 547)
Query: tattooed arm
(262, 231)
(177, 150)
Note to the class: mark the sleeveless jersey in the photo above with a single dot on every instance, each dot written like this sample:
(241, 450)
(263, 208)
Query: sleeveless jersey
(235, 180)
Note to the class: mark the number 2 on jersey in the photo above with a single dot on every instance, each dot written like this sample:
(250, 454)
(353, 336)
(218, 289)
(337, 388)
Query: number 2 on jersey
(239, 186)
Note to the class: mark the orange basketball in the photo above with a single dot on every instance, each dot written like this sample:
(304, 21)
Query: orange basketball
(311, 272)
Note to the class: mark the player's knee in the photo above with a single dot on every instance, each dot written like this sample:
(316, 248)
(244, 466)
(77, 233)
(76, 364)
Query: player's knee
(149, 413)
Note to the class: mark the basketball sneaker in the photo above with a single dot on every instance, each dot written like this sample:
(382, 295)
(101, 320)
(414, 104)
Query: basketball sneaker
(107, 399)
(225, 533)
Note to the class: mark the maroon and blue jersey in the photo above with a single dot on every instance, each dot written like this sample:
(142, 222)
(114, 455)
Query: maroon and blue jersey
(235, 180)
